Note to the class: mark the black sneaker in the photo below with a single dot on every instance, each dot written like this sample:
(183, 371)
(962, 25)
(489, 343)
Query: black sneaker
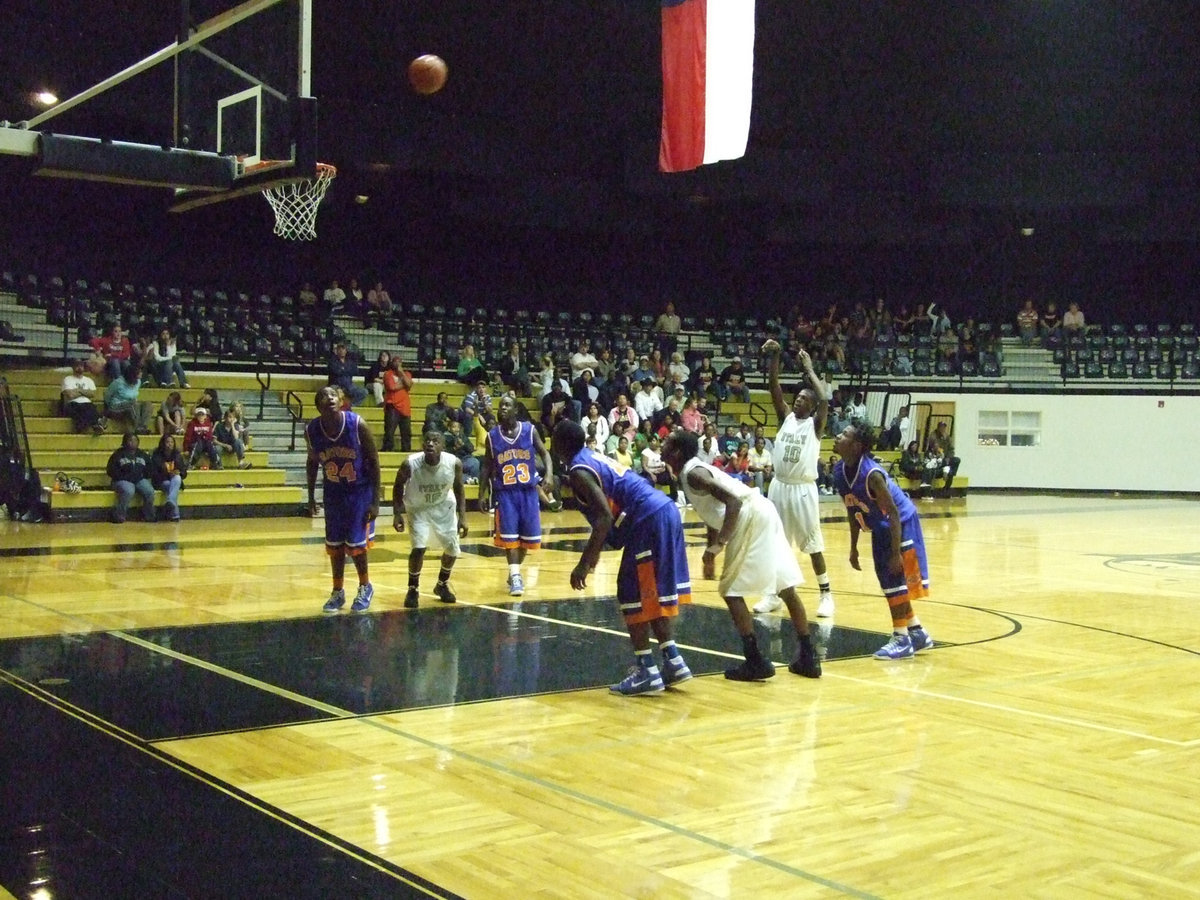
(757, 670)
(442, 591)
(410, 599)
(805, 662)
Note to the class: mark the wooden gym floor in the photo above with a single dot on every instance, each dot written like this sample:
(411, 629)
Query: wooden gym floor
(180, 720)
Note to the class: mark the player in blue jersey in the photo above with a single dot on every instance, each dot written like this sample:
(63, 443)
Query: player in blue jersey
(627, 512)
(875, 503)
(509, 474)
(341, 447)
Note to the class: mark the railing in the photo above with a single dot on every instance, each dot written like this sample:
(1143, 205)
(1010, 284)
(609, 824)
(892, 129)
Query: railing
(296, 412)
(264, 386)
(755, 405)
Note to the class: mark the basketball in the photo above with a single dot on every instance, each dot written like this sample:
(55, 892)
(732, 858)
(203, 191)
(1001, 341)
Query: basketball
(427, 73)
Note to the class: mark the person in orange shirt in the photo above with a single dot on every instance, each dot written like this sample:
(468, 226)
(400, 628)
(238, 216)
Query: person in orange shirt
(397, 405)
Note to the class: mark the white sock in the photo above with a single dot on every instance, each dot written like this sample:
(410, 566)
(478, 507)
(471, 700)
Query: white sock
(514, 569)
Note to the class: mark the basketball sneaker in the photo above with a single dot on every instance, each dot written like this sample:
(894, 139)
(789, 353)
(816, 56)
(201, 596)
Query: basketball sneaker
(806, 662)
(768, 604)
(516, 586)
(639, 681)
(899, 647)
(920, 639)
(335, 602)
(442, 591)
(411, 598)
(752, 670)
(363, 598)
(675, 670)
(825, 606)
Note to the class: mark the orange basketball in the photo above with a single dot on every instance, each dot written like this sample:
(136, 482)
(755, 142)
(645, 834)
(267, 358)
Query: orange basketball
(427, 73)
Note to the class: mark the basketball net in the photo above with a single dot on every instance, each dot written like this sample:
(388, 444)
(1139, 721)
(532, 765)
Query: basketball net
(295, 204)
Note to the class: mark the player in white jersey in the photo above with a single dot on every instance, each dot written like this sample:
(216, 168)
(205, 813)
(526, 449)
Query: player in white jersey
(429, 492)
(758, 557)
(795, 455)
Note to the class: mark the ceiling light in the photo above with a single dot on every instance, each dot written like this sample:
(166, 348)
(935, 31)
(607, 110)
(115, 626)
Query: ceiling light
(45, 98)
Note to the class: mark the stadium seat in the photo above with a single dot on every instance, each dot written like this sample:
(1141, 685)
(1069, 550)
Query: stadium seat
(1142, 370)
(1118, 369)
(1165, 371)
(1093, 370)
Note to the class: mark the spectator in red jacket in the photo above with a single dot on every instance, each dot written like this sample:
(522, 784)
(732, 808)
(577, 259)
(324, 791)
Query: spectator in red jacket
(200, 439)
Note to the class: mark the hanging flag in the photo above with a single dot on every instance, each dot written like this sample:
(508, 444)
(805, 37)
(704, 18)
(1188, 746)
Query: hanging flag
(708, 69)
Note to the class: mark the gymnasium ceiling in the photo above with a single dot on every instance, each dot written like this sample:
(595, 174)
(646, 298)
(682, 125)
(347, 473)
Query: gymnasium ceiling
(873, 121)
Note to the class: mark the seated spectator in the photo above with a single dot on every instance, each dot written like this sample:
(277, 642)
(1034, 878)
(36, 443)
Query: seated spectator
(646, 401)
(379, 301)
(1027, 323)
(225, 436)
(78, 391)
(690, 417)
(825, 474)
(761, 465)
(705, 380)
(342, 372)
(760, 434)
(356, 302)
(438, 414)
(621, 452)
(164, 361)
(373, 380)
(604, 368)
(583, 358)
(122, 405)
(678, 373)
(643, 370)
(615, 434)
(513, 372)
(115, 349)
(666, 424)
(710, 446)
(584, 389)
(733, 378)
(556, 405)
(856, 409)
(199, 440)
(307, 298)
(596, 420)
(729, 441)
(658, 366)
(169, 419)
(459, 444)
(623, 412)
(939, 320)
(210, 401)
(167, 471)
(475, 411)
(1073, 321)
(471, 370)
(241, 426)
(654, 469)
(335, 297)
(911, 463)
(129, 470)
(943, 447)
(898, 431)
(738, 465)
(1051, 323)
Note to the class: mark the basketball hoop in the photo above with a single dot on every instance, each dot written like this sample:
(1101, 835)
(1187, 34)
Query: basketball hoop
(295, 204)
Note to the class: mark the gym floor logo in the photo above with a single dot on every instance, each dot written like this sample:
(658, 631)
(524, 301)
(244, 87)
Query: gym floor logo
(1182, 566)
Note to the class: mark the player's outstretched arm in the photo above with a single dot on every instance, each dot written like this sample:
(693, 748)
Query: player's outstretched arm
(591, 497)
(772, 350)
(402, 475)
(460, 498)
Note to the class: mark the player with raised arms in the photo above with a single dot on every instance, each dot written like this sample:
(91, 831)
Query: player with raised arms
(627, 512)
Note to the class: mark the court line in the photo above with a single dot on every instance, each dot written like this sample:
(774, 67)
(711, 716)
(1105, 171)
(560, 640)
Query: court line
(301, 825)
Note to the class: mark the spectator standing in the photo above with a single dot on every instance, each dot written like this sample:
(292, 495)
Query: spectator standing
(397, 404)
(667, 327)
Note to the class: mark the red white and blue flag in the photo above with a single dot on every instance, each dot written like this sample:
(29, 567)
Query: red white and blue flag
(708, 69)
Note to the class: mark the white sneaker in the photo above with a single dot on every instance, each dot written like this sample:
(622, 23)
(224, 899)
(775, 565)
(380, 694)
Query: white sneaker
(825, 607)
(768, 604)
